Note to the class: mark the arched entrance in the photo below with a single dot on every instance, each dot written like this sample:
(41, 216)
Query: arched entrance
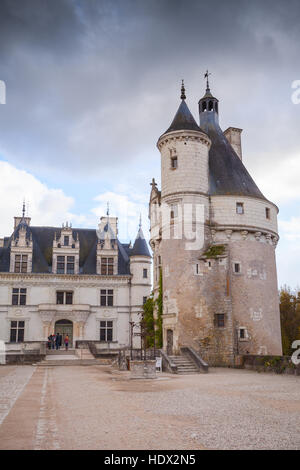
(65, 327)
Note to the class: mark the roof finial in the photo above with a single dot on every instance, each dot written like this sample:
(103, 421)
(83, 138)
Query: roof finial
(23, 210)
(107, 210)
(183, 97)
(140, 224)
(206, 75)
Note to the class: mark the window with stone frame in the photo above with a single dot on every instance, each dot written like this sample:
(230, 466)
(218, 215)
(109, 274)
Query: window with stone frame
(17, 329)
(268, 213)
(19, 296)
(174, 162)
(106, 297)
(107, 266)
(145, 273)
(65, 264)
(66, 240)
(240, 208)
(21, 263)
(106, 330)
(237, 268)
(219, 320)
(64, 297)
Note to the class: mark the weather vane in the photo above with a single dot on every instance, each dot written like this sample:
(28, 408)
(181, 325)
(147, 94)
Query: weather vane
(206, 75)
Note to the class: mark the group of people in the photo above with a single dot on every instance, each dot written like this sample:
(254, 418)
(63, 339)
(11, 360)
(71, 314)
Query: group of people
(55, 341)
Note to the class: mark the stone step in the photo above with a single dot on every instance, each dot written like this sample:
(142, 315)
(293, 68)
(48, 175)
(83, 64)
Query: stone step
(75, 362)
(60, 352)
(185, 365)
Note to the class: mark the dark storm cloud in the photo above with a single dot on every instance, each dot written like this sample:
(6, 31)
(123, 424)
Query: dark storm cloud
(92, 84)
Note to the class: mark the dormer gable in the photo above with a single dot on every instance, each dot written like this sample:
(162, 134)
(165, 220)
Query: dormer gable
(66, 248)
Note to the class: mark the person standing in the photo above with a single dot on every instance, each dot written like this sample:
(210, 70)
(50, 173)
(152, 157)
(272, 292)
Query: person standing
(57, 341)
(66, 342)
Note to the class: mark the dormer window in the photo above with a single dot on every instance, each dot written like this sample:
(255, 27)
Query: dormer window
(66, 240)
(107, 266)
(65, 264)
(21, 262)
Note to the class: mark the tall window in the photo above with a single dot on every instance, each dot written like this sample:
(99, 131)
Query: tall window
(17, 331)
(65, 264)
(66, 240)
(145, 273)
(174, 162)
(107, 266)
(268, 213)
(239, 207)
(21, 263)
(18, 296)
(106, 330)
(106, 297)
(237, 267)
(64, 297)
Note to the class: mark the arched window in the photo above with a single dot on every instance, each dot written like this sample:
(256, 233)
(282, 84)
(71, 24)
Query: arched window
(216, 107)
(210, 106)
(204, 106)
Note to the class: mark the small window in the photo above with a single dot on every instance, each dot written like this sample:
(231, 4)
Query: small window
(242, 333)
(237, 267)
(145, 273)
(106, 331)
(144, 300)
(106, 297)
(268, 213)
(220, 320)
(174, 162)
(66, 240)
(173, 211)
(18, 296)
(17, 331)
(240, 208)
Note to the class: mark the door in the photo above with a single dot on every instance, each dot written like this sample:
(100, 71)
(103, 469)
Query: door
(64, 328)
(169, 342)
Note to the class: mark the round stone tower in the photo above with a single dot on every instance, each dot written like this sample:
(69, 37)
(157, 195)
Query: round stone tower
(245, 222)
(213, 236)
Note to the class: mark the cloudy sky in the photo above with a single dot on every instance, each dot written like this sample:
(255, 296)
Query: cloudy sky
(91, 84)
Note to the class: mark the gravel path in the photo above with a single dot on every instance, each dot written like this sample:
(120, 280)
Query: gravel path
(96, 407)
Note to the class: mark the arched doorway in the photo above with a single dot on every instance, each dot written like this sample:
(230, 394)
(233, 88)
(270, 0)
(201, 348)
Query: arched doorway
(65, 327)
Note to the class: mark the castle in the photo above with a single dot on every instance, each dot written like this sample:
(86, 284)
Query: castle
(213, 235)
(75, 281)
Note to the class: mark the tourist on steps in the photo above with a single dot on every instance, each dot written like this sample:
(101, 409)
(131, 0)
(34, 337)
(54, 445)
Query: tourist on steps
(66, 342)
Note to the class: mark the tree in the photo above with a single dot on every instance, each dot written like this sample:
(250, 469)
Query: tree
(289, 318)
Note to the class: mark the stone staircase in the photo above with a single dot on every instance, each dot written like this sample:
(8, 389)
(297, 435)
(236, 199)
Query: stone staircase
(185, 365)
(72, 357)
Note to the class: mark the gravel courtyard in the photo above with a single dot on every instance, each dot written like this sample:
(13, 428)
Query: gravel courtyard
(97, 407)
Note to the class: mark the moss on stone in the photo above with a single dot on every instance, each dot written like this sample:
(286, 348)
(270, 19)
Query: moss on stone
(214, 251)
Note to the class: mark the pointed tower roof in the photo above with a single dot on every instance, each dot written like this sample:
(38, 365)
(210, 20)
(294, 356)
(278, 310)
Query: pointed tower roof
(183, 118)
(140, 247)
(227, 173)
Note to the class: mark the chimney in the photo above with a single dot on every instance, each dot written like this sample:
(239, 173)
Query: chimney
(233, 135)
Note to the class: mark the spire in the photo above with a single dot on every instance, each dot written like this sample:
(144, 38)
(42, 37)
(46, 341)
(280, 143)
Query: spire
(183, 97)
(107, 210)
(140, 247)
(23, 210)
(183, 119)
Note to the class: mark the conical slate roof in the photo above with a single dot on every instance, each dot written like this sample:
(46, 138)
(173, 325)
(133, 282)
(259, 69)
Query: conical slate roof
(183, 120)
(227, 173)
(140, 247)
